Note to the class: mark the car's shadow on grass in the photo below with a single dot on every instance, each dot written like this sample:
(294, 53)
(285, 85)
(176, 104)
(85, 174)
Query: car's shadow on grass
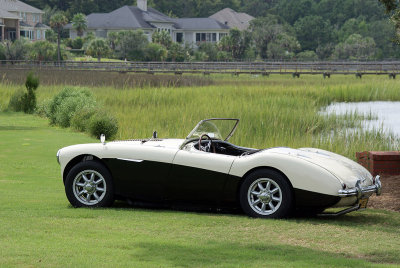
(368, 218)
(121, 205)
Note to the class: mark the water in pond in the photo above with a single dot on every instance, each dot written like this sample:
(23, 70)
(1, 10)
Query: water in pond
(384, 114)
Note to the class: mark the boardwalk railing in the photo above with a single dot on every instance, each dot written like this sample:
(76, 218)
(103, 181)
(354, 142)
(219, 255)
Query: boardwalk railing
(391, 68)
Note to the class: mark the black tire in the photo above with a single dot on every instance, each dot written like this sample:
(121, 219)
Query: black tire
(279, 188)
(96, 195)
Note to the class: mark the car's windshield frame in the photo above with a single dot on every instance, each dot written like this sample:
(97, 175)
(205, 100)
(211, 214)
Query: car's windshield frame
(190, 136)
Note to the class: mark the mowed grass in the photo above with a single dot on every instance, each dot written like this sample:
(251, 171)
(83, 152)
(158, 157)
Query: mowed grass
(274, 111)
(40, 229)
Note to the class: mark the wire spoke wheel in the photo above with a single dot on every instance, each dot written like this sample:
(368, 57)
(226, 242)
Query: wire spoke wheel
(264, 196)
(89, 187)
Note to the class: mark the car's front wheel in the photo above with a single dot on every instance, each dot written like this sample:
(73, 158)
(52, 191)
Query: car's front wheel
(89, 184)
(266, 194)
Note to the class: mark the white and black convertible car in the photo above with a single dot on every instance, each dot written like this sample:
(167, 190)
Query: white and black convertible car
(206, 170)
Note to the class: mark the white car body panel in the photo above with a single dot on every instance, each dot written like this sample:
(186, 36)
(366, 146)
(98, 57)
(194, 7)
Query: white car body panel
(305, 168)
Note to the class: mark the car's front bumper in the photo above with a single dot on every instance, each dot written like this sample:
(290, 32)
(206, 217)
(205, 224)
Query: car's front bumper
(354, 197)
(360, 192)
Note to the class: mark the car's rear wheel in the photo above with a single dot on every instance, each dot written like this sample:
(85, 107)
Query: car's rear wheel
(266, 194)
(89, 184)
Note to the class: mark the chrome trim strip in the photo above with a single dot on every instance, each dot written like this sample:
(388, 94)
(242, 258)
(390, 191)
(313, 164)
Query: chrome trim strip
(360, 191)
(58, 156)
(130, 160)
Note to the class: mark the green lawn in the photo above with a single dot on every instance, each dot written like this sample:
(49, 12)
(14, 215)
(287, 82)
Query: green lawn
(38, 227)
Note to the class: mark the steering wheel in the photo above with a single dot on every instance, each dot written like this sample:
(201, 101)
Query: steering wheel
(209, 145)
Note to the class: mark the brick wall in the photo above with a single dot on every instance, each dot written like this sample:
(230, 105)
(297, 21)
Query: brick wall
(380, 163)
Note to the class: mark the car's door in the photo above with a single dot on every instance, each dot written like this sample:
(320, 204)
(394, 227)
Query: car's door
(140, 173)
(197, 177)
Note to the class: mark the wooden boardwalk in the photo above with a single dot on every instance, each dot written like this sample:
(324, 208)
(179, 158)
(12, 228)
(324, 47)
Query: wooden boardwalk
(296, 69)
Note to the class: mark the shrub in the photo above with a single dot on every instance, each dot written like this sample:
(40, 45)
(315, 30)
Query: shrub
(16, 103)
(209, 49)
(2, 52)
(81, 120)
(155, 52)
(31, 84)
(103, 123)
(42, 109)
(77, 43)
(25, 102)
(43, 51)
(307, 55)
(66, 103)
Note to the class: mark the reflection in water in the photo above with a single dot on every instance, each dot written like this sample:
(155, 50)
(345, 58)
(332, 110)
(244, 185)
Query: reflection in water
(385, 114)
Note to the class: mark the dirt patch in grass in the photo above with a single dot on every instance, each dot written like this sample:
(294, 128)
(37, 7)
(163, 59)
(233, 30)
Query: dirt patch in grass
(390, 198)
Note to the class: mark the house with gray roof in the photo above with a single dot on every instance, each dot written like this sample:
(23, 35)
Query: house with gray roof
(20, 19)
(233, 19)
(184, 30)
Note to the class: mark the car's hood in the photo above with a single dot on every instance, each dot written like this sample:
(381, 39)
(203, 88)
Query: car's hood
(343, 168)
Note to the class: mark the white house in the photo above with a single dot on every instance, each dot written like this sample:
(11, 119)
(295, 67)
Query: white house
(185, 30)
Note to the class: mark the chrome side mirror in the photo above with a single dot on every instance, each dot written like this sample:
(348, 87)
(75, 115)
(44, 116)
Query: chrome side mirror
(103, 139)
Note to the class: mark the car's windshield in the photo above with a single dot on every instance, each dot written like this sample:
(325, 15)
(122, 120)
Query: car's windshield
(217, 128)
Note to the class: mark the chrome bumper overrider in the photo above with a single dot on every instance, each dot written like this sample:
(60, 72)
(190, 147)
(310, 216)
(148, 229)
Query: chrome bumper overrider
(359, 191)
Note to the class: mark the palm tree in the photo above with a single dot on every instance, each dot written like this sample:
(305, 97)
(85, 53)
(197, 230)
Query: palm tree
(98, 48)
(57, 22)
(79, 23)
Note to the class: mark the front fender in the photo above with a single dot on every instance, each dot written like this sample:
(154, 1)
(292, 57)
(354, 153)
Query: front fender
(302, 174)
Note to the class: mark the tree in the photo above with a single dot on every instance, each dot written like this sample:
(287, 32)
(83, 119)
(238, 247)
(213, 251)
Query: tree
(163, 38)
(2, 52)
(43, 51)
(48, 13)
(17, 50)
(179, 53)
(257, 8)
(237, 43)
(307, 56)
(355, 47)
(384, 33)
(210, 49)
(79, 23)
(156, 52)
(282, 46)
(51, 36)
(57, 22)
(270, 29)
(393, 8)
(131, 45)
(98, 48)
(291, 10)
(313, 31)
(352, 26)
(112, 39)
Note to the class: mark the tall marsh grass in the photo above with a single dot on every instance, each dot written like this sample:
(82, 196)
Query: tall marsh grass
(274, 111)
(101, 79)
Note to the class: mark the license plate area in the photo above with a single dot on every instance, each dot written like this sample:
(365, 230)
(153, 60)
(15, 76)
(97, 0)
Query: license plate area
(363, 203)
